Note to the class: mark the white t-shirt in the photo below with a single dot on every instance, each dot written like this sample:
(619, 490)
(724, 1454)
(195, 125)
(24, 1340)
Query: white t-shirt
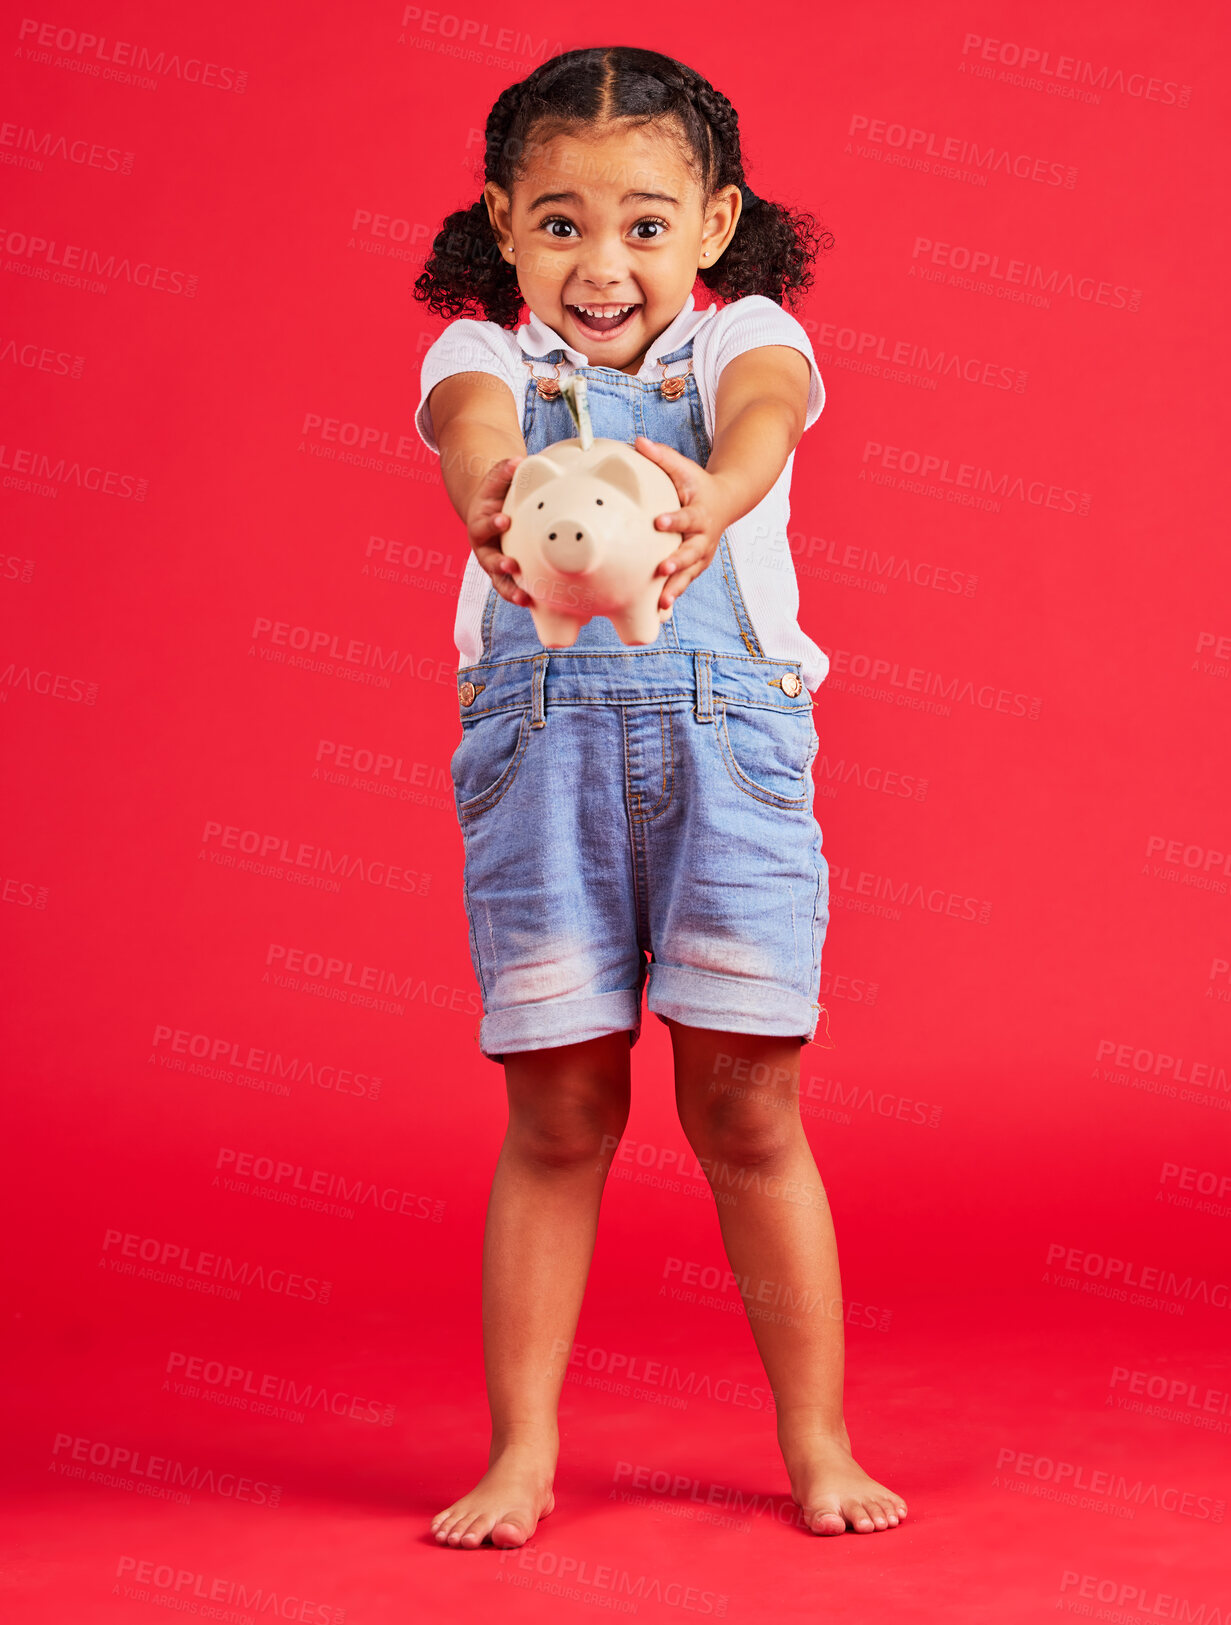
(758, 541)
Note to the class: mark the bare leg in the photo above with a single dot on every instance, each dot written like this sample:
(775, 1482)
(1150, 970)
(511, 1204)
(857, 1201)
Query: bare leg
(568, 1108)
(738, 1099)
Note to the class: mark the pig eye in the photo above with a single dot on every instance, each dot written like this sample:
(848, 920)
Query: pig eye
(540, 504)
(599, 500)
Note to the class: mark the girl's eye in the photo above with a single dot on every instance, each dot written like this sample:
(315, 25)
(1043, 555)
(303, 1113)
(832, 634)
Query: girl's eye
(559, 220)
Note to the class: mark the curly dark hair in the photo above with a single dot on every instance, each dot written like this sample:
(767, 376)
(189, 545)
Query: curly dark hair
(773, 245)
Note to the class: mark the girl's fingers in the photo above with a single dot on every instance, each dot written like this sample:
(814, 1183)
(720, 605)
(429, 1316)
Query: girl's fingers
(507, 587)
(501, 474)
(676, 586)
(686, 554)
(667, 457)
(503, 572)
(493, 488)
(681, 519)
(487, 530)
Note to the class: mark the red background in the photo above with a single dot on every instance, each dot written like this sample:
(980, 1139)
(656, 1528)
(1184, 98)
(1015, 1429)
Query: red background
(1002, 1090)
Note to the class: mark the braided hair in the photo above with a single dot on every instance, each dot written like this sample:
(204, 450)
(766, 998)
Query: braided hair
(769, 253)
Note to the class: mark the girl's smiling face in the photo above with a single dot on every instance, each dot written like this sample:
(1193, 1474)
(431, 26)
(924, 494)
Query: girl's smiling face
(606, 230)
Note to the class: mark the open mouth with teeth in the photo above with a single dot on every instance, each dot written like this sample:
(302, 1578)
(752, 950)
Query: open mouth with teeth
(603, 319)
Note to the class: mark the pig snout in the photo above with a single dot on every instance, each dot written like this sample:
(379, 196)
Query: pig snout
(569, 546)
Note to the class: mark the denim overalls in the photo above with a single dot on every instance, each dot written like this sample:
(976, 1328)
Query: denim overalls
(621, 801)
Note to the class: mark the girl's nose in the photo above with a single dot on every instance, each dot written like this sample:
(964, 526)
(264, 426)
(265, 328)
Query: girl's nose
(602, 265)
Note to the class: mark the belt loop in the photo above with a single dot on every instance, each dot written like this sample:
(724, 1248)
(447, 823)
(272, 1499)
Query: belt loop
(537, 714)
(705, 700)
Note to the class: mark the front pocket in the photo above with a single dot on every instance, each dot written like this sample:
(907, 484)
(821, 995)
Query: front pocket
(486, 760)
(769, 754)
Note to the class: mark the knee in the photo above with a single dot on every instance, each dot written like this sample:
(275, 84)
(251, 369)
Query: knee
(569, 1133)
(746, 1134)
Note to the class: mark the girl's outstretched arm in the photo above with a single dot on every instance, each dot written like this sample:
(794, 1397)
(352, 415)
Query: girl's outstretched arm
(758, 420)
(475, 421)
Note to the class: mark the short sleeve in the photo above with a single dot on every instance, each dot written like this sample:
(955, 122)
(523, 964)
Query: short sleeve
(754, 320)
(464, 346)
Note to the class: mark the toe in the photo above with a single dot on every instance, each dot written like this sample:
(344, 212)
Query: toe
(860, 1518)
(446, 1523)
(826, 1517)
(473, 1533)
(509, 1531)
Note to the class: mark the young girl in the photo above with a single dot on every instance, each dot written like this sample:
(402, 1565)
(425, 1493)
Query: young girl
(617, 802)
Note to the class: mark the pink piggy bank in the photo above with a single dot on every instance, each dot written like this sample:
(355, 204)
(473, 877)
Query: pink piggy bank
(583, 533)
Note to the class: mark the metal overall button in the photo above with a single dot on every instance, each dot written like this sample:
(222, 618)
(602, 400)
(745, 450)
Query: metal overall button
(672, 387)
(790, 683)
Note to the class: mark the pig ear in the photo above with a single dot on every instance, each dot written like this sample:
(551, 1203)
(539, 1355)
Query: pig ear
(530, 475)
(618, 470)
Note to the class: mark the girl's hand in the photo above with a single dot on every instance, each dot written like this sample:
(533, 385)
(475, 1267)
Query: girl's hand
(703, 515)
(485, 524)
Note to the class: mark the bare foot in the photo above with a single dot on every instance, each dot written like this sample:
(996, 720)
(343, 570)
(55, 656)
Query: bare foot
(832, 1488)
(504, 1506)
